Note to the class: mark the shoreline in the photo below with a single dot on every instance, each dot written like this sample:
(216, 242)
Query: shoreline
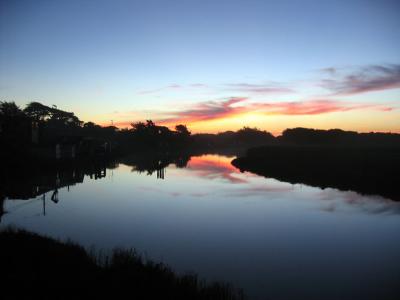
(371, 171)
(30, 260)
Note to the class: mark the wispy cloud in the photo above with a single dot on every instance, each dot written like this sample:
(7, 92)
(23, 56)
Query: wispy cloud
(313, 107)
(338, 80)
(174, 86)
(330, 71)
(208, 110)
(211, 110)
(198, 85)
(153, 91)
(243, 87)
(366, 79)
(273, 88)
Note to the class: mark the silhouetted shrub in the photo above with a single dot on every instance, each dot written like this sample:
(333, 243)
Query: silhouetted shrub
(34, 267)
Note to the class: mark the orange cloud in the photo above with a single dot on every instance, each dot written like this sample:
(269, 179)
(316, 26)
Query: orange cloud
(235, 106)
(227, 114)
(209, 110)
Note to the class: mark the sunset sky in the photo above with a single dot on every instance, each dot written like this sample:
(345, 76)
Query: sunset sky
(213, 65)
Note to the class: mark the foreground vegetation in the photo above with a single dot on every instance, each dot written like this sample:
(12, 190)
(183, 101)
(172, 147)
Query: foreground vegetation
(39, 267)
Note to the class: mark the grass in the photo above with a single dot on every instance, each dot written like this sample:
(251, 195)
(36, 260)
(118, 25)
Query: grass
(34, 267)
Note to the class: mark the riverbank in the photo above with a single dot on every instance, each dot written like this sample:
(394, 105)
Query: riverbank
(367, 170)
(33, 267)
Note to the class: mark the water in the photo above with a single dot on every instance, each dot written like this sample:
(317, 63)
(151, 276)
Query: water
(274, 239)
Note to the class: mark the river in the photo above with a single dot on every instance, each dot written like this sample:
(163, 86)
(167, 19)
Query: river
(273, 239)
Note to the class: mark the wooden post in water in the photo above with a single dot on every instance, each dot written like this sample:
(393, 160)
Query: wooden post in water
(44, 204)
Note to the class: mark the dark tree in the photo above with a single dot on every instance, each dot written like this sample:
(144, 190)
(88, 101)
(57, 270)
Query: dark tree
(38, 111)
(10, 109)
(54, 116)
(182, 130)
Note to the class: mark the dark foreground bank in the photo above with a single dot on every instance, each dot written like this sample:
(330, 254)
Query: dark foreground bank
(367, 170)
(35, 267)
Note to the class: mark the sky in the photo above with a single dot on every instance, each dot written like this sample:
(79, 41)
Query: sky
(212, 65)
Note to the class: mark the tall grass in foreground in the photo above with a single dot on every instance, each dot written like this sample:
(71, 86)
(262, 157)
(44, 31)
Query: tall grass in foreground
(35, 267)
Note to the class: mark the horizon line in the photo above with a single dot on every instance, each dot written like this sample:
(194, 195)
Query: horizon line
(274, 133)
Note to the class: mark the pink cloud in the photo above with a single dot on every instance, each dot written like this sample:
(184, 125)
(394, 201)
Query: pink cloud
(207, 111)
(211, 110)
(312, 107)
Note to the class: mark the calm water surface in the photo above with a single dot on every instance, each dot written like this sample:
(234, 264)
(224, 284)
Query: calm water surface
(275, 240)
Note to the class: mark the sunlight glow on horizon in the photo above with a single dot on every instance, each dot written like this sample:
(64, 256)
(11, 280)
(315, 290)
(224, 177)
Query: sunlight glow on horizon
(275, 124)
(211, 65)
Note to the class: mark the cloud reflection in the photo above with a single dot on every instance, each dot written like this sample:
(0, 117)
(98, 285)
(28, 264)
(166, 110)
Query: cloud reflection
(333, 200)
(215, 167)
(250, 185)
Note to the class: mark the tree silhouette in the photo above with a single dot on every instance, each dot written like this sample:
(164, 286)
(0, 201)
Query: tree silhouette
(10, 109)
(182, 130)
(38, 111)
(52, 115)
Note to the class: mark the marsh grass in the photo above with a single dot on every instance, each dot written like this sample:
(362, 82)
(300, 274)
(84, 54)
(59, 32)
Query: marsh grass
(34, 267)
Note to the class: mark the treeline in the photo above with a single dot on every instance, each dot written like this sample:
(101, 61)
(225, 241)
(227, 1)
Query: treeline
(54, 123)
(337, 137)
(241, 139)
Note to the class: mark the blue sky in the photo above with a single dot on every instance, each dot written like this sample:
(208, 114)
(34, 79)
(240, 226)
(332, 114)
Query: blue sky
(134, 59)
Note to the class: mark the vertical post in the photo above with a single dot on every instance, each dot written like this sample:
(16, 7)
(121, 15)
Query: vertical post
(44, 204)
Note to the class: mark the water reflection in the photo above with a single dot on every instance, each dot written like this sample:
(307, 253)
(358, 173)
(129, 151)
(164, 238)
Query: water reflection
(155, 163)
(215, 167)
(333, 201)
(219, 167)
(47, 182)
(206, 216)
(29, 183)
